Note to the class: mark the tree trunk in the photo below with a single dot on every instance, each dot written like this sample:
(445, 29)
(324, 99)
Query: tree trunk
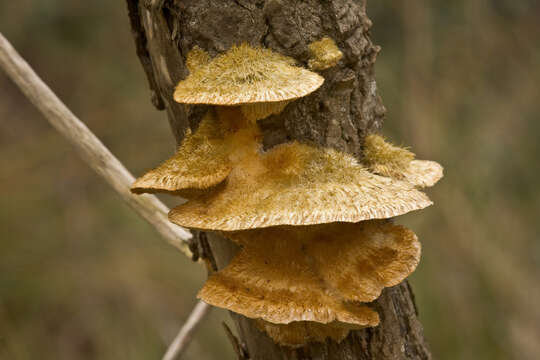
(337, 115)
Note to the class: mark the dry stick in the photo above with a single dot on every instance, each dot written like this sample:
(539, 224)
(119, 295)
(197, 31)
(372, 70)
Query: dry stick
(89, 146)
(105, 164)
(183, 338)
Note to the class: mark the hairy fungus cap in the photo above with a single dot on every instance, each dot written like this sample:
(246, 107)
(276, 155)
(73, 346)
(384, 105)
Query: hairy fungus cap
(299, 333)
(313, 273)
(246, 75)
(200, 162)
(273, 281)
(324, 54)
(356, 260)
(386, 159)
(297, 184)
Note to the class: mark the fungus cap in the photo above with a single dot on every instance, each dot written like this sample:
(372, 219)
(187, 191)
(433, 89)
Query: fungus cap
(274, 281)
(200, 163)
(297, 184)
(316, 273)
(357, 260)
(245, 75)
(383, 158)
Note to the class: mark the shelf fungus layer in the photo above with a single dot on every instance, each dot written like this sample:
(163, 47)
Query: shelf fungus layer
(205, 158)
(245, 75)
(317, 274)
(201, 162)
(386, 159)
(274, 282)
(298, 184)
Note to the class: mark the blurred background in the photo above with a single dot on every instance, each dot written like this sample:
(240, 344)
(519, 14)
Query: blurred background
(82, 277)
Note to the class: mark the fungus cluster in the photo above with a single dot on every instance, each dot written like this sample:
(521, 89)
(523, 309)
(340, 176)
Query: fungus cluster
(316, 243)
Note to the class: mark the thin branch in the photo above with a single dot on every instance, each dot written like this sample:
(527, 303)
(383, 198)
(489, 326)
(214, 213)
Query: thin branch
(183, 338)
(89, 146)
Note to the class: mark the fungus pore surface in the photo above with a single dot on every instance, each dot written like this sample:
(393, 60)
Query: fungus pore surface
(246, 75)
(385, 159)
(298, 184)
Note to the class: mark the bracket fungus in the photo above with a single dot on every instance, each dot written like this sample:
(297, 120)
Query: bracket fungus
(245, 75)
(200, 162)
(261, 81)
(320, 273)
(298, 184)
(315, 250)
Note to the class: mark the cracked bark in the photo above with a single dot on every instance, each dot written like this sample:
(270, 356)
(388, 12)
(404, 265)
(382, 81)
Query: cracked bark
(337, 115)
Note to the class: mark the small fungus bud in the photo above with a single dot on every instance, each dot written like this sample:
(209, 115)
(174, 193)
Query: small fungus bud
(324, 54)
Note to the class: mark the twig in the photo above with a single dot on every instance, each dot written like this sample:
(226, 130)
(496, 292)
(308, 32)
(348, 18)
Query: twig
(88, 145)
(183, 338)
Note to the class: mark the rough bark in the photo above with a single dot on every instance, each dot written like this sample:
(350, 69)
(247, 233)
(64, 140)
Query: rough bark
(337, 115)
